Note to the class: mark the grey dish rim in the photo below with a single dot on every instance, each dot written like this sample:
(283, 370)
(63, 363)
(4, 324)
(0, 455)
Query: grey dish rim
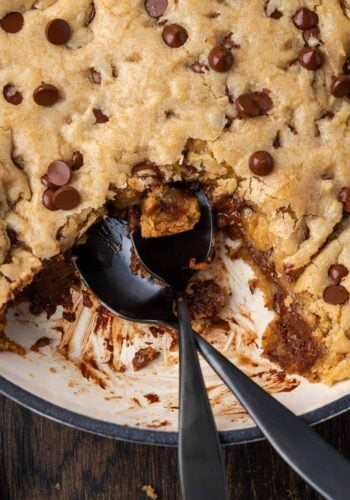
(146, 436)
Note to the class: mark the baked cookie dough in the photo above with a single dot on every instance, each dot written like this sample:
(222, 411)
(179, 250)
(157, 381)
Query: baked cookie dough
(168, 210)
(250, 98)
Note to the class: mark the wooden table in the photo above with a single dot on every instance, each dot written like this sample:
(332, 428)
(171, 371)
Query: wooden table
(42, 460)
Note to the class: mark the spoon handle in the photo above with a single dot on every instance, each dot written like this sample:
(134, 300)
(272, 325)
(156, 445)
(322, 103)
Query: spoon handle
(301, 447)
(201, 466)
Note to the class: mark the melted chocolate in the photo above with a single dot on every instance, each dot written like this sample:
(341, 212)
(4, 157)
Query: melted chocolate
(52, 287)
(207, 300)
(290, 341)
(143, 357)
(40, 343)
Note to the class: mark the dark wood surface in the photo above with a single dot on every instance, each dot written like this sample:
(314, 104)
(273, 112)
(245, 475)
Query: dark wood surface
(43, 460)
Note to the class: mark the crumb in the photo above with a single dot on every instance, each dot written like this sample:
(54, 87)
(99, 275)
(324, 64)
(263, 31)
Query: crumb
(207, 300)
(150, 492)
(152, 398)
(40, 343)
(143, 357)
(198, 266)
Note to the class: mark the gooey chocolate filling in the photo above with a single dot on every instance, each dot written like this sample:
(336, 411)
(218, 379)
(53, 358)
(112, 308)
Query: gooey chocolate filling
(289, 341)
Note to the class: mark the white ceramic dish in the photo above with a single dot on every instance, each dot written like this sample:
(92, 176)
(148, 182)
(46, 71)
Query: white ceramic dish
(90, 395)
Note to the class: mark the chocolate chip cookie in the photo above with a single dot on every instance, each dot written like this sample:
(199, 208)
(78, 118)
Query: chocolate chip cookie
(101, 100)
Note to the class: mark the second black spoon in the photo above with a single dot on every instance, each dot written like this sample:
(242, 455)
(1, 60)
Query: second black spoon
(201, 467)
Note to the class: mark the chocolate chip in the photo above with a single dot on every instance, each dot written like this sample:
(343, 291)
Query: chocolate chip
(99, 116)
(12, 234)
(220, 59)
(45, 182)
(156, 8)
(95, 76)
(12, 95)
(66, 198)
(197, 67)
(261, 163)
(311, 33)
(48, 200)
(340, 86)
(12, 22)
(263, 100)
(92, 14)
(337, 272)
(174, 35)
(46, 95)
(253, 104)
(305, 19)
(246, 107)
(335, 295)
(277, 141)
(229, 43)
(276, 14)
(346, 67)
(344, 197)
(59, 173)
(310, 58)
(77, 160)
(58, 31)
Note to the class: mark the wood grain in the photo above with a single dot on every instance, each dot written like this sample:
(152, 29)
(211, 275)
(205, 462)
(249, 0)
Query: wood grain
(42, 460)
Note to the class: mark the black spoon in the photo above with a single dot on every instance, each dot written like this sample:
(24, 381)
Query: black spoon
(201, 466)
(104, 262)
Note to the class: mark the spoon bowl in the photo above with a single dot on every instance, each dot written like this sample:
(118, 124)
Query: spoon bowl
(105, 263)
(168, 258)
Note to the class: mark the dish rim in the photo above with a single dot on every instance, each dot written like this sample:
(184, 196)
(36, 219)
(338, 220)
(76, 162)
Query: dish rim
(142, 435)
